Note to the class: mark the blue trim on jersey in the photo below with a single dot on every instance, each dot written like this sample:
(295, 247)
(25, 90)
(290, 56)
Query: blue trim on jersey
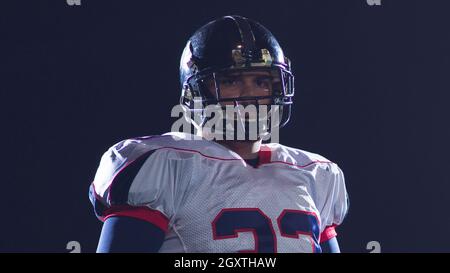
(122, 182)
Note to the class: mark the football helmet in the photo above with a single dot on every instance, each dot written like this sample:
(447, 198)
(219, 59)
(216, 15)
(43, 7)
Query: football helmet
(233, 44)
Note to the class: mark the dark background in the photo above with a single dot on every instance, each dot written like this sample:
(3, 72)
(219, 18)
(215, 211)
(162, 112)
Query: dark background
(372, 95)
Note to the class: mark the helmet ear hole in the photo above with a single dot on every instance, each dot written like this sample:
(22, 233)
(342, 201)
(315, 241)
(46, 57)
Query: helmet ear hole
(207, 88)
(186, 96)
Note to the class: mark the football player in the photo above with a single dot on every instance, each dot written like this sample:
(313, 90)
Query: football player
(176, 193)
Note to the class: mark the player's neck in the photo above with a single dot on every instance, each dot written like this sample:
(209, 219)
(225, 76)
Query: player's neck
(246, 149)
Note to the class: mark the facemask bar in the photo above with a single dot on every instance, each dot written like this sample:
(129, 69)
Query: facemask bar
(197, 93)
(195, 87)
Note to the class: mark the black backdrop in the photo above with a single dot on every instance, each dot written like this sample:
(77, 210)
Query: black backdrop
(372, 95)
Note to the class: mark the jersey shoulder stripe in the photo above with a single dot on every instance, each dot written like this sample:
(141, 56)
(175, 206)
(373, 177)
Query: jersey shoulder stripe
(295, 157)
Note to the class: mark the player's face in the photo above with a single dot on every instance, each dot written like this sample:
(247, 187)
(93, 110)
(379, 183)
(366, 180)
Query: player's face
(243, 84)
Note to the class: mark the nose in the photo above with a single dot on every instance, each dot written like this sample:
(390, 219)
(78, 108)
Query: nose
(248, 89)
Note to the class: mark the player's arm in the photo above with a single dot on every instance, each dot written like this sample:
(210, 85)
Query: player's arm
(330, 246)
(126, 234)
(328, 240)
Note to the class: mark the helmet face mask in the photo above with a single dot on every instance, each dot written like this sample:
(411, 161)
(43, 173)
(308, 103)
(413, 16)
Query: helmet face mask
(234, 61)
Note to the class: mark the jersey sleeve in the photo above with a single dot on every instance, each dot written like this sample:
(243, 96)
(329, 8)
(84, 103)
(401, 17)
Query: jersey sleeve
(138, 181)
(332, 199)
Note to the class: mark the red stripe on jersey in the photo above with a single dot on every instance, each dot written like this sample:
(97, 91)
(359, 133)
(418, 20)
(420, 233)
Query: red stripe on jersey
(149, 215)
(328, 233)
(265, 155)
(300, 166)
(198, 152)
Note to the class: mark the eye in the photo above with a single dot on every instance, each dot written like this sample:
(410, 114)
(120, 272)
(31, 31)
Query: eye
(228, 81)
(264, 82)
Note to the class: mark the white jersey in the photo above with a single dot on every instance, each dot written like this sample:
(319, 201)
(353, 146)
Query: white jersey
(208, 199)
